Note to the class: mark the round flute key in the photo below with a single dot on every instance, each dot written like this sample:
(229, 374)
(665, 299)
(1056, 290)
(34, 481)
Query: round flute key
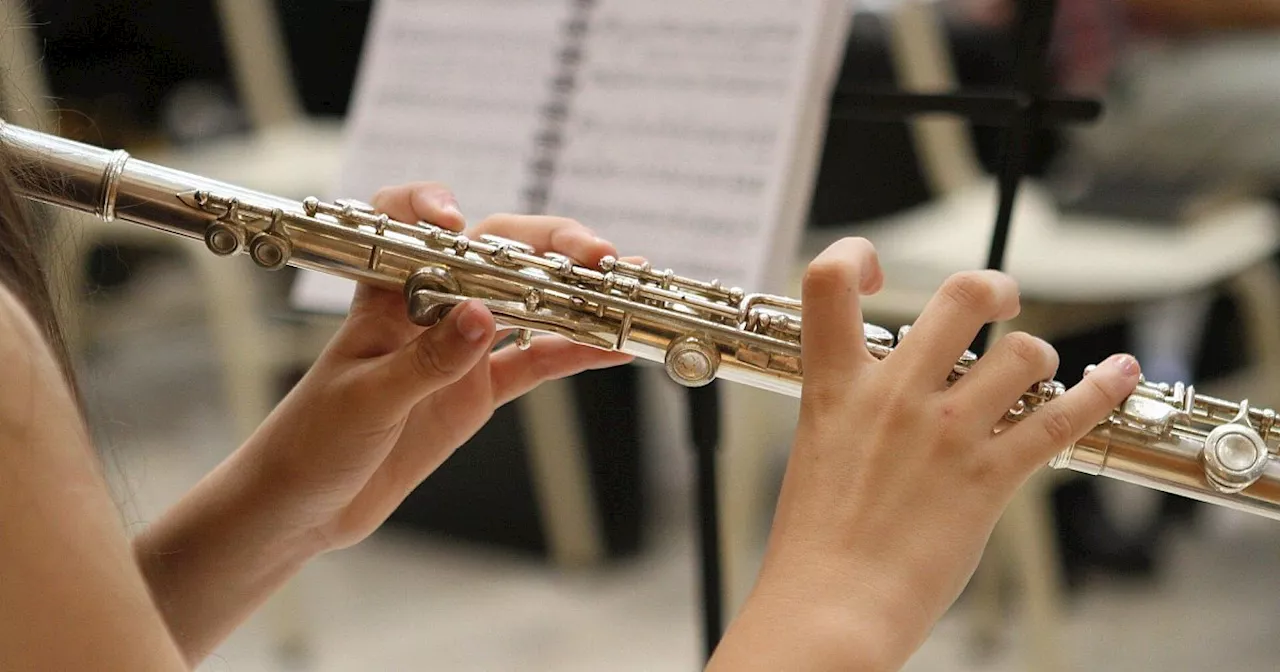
(270, 251)
(424, 309)
(1234, 457)
(877, 335)
(223, 239)
(692, 362)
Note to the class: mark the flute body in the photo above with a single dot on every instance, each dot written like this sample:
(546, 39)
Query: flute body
(1165, 437)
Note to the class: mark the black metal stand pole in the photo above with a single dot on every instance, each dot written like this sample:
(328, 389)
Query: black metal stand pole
(1033, 27)
(704, 426)
(1024, 112)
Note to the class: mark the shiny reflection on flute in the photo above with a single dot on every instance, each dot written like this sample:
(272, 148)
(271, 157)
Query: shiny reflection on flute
(1165, 437)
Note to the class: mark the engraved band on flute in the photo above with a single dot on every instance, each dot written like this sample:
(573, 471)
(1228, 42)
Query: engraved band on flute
(1165, 437)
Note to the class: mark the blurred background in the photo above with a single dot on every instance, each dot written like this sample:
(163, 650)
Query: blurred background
(472, 573)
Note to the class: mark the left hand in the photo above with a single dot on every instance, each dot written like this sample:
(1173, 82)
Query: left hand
(387, 402)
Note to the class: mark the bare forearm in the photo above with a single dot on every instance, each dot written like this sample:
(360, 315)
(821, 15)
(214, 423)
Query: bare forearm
(766, 638)
(1197, 15)
(216, 557)
(815, 619)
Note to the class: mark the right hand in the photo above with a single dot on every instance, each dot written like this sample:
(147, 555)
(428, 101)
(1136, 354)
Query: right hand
(896, 480)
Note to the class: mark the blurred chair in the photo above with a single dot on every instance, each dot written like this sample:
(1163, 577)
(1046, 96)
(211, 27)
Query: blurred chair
(284, 155)
(288, 153)
(1075, 272)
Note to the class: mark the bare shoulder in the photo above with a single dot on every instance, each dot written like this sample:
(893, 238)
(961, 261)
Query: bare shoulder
(63, 545)
(34, 384)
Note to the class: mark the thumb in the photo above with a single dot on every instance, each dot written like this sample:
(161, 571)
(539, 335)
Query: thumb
(440, 355)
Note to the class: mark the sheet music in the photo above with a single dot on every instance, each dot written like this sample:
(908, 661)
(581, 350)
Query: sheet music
(447, 91)
(680, 135)
(680, 144)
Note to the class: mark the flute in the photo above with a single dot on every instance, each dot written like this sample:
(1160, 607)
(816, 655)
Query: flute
(1164, 436)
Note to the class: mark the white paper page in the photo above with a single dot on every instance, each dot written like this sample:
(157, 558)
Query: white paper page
(448, 91)
(682, 141)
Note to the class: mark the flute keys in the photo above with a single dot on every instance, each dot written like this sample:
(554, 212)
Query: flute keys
(877, 335)
(1234, 456)
(270, 251)
(692, 362)
(504, 247)
(422, 293)
(350, 205)
(224, 238)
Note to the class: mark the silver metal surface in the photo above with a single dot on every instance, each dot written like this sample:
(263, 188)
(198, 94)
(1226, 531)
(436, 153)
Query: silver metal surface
(1163, 436)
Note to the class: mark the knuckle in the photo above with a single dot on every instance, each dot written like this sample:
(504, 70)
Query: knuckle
(1056, 425)
(494, 221)
(972, 291)
(982, 469)
(563, 230)
(855, 246)
(897, 396)
(381, 196)
(826, 276)
(841, 267)
(1105, 396)
(434, 186)
(429, 195)
(822, 398)
(818, 395)
(350, 391)
(1032, 352)
(429, 360)
(950, 414)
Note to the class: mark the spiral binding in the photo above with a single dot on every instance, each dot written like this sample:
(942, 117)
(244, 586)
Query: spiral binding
(549, 138)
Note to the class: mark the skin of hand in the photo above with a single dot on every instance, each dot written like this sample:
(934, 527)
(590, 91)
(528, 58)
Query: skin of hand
(389, 401)
(384, 405)
(896, 480)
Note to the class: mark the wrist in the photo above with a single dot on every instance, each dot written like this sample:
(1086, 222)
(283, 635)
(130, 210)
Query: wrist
(839, 613)
(217, 555)
(772, 634)
(226, 526)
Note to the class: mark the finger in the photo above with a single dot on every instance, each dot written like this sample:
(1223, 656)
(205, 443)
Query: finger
(429, 202)
(516, 372)
(411, 462)
(833, 345)
(950, 321)
(998, 380)
(1065, 420)
(549, 234)
(439, 356)
(376, 324)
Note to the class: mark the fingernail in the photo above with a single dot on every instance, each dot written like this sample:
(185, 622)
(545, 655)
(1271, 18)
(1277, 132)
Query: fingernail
(1125, 364)
(471, 324)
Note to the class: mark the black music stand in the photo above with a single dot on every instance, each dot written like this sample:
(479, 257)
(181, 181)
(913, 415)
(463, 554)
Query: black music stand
(1022, 110)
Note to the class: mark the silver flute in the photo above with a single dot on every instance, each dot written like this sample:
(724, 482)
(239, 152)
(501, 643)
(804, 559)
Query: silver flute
(1165, 437)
